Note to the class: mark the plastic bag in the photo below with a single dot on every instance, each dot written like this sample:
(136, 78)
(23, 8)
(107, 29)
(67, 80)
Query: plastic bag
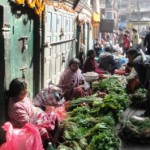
(60, 111)
(26, 138)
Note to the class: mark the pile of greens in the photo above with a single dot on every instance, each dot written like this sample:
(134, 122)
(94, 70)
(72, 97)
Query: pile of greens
(116, 100)
(108, 85)
(83, 100)
(91, 120)
(136, 130)
(138, 98)
(85, 132)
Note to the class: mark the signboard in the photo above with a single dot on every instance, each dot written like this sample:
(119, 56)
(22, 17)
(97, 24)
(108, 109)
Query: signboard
(106, 25)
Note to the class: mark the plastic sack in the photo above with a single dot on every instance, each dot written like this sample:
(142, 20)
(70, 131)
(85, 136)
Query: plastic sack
(26, 138)
(60, 111)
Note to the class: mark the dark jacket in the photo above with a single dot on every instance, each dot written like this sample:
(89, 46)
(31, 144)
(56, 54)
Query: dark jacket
(147, 43)
(107, 63)
(142, 71)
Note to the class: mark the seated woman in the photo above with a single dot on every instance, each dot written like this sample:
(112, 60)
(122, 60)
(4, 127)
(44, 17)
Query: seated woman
(107, 61)
(72, 81)
(91, 65)
(21, 110)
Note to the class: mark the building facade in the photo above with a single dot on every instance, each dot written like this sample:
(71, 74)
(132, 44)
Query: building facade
(134, 13)
(37, 39)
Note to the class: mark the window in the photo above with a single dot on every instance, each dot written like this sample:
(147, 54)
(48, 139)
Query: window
(145, 5)
(108, 15)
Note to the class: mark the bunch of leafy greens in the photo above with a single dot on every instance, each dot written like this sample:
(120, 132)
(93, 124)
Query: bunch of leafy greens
(91, 121)
(109, 85)
(136, 130)
(82, 131)
(138, 98)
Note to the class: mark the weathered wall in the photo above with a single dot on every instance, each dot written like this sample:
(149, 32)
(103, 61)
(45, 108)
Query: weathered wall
(20, 46)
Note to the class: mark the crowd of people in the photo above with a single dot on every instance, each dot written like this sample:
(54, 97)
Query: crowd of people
(102, 60)
(134, 46)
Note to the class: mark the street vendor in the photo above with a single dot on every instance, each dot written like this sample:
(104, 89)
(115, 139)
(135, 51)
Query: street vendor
(72, 81)
(21, 110)
(141, 63)
(91, 65)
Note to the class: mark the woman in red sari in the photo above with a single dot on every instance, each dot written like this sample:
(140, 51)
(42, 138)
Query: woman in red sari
(72, 81)
(91, 65)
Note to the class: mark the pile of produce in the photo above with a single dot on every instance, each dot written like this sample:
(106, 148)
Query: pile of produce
(116, 99)
(82, 131)
(91, 120)
(136, 130)
(138, 98)
(113, 84)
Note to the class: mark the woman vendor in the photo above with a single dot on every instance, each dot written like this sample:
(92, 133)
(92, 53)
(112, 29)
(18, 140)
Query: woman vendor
(91, 65)
(72, 81)
(21, 110)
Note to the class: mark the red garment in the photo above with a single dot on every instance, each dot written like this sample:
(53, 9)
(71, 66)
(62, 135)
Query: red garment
(120, 72)
(21, 112)
(24, 111)
(76, 93)
(79, 92)
(126, 43)
(91, 65)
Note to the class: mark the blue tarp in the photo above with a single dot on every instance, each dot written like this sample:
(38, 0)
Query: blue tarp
(122, 25)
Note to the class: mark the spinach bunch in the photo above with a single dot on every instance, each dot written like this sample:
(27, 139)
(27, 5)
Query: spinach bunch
(102, 137)
(109, 85)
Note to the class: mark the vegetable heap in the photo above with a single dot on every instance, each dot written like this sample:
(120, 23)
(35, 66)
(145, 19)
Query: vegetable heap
(91, 120)
(84, 132)
(136, 130)
(138, 98)
(113, 84)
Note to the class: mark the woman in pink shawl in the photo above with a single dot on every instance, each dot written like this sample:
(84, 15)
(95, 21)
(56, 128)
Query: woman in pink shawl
(72, 81)
(21, 110)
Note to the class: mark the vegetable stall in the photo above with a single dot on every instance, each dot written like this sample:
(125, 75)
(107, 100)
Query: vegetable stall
(90, 122)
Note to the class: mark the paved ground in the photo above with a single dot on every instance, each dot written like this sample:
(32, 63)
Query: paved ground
(135, 146)
(130, 145)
